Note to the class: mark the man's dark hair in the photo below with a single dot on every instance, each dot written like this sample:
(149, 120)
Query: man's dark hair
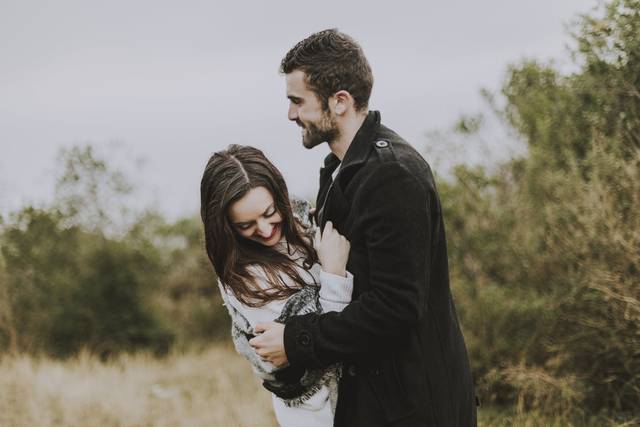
(332, 61)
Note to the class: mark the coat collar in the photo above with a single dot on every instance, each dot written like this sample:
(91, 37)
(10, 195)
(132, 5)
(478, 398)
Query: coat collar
(361, 145)
(359, 149)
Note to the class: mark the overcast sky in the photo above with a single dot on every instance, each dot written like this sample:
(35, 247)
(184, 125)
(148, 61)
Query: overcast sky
(170, 82)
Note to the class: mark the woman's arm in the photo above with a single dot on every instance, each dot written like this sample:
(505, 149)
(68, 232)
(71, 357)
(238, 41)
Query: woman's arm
(243, 323)
(335, 291)
(336, 283)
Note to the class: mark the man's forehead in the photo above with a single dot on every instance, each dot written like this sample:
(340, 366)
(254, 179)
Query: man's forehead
(296, 82)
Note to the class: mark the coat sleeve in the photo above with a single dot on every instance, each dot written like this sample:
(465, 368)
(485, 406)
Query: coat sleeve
(396, 219)
(333, 295)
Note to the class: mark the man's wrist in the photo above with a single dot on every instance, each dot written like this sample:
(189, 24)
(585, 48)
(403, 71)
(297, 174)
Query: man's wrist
(299, 342)
(288, 340)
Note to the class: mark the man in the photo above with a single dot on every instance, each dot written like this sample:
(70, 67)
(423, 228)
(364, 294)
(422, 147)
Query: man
(403, 355)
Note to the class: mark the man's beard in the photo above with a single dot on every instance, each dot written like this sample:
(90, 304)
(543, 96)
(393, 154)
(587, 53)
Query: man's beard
(317, 133)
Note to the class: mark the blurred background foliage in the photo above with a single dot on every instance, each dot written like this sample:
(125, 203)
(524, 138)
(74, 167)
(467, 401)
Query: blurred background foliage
(83, 274)
(544, 248)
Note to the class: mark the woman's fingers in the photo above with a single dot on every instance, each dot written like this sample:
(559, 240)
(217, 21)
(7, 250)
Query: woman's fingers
(328, 230)
(329, 242)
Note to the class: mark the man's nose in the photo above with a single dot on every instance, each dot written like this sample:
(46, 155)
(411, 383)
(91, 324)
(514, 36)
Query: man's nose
(264, 228)
(293, 112)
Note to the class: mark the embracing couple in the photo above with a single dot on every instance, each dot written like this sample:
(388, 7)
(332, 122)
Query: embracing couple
(344, 311)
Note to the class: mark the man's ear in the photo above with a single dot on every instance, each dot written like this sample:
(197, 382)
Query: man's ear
(343, 101)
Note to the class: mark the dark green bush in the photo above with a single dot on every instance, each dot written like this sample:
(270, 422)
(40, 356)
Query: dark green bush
(545, 250)
(80, 275)
(70, 289)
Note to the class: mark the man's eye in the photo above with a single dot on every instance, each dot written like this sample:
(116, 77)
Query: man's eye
(244, 226)
(270, 214)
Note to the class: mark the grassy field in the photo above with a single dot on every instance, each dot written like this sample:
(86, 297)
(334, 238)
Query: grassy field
(214, 387)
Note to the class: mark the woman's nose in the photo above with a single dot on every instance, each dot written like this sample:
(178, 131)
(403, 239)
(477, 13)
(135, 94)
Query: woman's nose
(264, 228)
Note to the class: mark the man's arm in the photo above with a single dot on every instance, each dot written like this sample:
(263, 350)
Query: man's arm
(397, 222)
(334, 295)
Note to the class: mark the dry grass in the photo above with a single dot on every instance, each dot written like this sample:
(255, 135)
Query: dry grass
(210, 388)
(213, 388)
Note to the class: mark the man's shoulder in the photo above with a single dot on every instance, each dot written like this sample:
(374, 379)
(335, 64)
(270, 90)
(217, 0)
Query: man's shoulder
(389, 135)
(391, 156)
(389, 147)
(396, 143)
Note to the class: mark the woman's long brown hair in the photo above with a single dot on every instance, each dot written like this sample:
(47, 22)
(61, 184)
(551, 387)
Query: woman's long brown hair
(228, 176)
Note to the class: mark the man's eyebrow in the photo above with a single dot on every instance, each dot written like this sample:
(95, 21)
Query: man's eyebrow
(294, 98)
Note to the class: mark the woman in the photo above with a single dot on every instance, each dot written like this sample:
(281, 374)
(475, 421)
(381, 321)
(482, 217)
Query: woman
(269, 270)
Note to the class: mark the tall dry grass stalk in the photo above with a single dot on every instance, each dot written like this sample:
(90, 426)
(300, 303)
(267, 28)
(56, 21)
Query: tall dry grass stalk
(213, 388)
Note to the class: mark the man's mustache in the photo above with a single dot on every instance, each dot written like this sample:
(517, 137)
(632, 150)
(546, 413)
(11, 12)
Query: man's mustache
(299, 123)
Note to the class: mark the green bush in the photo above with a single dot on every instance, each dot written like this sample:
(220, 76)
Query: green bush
(187, 292)
(545, 250)
(80, 274)
(70, 289)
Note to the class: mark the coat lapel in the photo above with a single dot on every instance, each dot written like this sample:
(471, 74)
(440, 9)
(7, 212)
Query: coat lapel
(336, 207)
(331, 162)
(331, 201)
(360, 147)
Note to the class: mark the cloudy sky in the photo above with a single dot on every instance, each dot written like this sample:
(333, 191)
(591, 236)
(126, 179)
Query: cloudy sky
(161, 85)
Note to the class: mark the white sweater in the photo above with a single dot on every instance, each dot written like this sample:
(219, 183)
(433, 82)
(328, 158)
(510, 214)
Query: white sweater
(335, 295)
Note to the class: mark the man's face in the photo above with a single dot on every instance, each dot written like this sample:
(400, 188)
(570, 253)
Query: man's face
(306, 110)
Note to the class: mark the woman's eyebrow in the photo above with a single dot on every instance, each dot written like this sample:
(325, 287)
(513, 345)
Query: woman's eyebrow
(271, 206)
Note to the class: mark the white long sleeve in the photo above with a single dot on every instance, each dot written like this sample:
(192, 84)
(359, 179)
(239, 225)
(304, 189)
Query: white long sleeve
(335, 291)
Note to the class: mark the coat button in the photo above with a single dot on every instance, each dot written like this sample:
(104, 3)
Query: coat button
(304, 338)
(382, 144)
(351, 370)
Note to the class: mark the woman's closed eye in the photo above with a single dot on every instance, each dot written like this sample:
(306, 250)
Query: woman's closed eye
(248, 225)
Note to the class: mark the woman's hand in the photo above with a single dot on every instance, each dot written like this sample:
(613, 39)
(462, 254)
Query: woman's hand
(333, 250)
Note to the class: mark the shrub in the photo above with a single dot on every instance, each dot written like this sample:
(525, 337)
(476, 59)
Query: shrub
(545, 250)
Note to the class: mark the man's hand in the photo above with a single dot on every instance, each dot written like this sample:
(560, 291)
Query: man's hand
(270, 343)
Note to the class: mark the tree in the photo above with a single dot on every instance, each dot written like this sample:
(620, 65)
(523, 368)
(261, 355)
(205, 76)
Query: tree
(72, 282)
(545, 251)
(90, 193)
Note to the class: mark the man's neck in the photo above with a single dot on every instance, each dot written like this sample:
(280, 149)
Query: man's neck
(348, 130)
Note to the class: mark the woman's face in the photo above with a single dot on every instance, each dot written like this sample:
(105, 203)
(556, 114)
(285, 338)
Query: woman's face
(255, 217)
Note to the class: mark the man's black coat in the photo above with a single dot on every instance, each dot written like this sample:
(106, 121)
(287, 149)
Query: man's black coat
(404, 357)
